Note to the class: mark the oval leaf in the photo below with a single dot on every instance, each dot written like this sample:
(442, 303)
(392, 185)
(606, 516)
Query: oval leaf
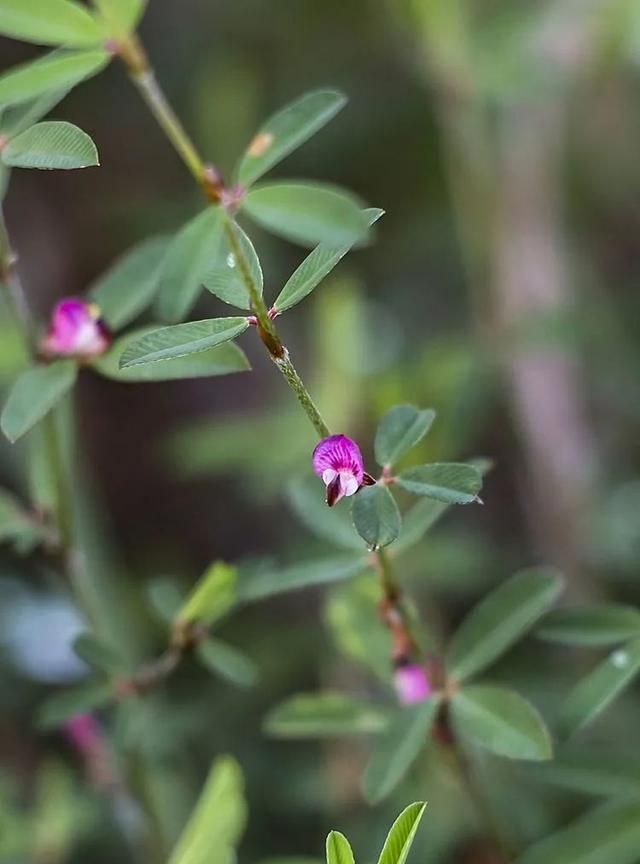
(594, 693)
(227, 662)
(375, 516)
(54, 72)
(401, 428)
(238, 264)
(168, 343)
(34, 394)
(266, 582)
(338, 849)
(402, 834)
(449, 482)
(191, 253)
(501, 721)
(49, 22)
(323, 715)
(288, 129)
(51, 145)
(500, 619)
(308, 214)
(591, 625)
(397, 748)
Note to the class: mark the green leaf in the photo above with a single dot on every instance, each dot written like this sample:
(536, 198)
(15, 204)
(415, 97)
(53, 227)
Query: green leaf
(288, 129)
(165, 598)
(401, 428)
(418, 520)
(21, 117)
(51, 145)
(601, 774)
(218, 820)
(129, 285)
(500, 619)
(228, 662)
(607, 835)
(123, 15)
(191, 254)
(52, 73)
(67, 704)
(225, 280)
(49, 22)
(213, 595)
(315, 268)
(402, 834)
(376, 516)
(223, 360)
(168, 343)
(265, 583)
(605, 624)
(338, 849)
(323, 715)
(398, 747)
(308, 214)
(18, 526)
(34, 394)
(331, 523)
(596, 691)
(98, 655)
(449, 482)
(501, 721)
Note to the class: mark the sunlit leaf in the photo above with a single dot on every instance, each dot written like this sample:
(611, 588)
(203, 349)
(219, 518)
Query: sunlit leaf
(49, 22)
(51, 145)
(266, 582)
(376, 516)
(401, 428)
(226, 661)
(604, 624)
(60, 70)
(34, 394)
(169, 343)
(449, 482)
(402, 834)
(123, 15)
(213, 595)
(338, 849)
(323, 715)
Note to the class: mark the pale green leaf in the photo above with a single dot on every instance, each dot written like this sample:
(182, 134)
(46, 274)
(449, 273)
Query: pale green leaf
(338, 849)
(285, 131)
(34, 394)
(397, 748)
(402, 834)
(68, 703)
(604, 624)
(49, 22)
(449, 482)
(122, 15)
(401, 428)
(130, 285)
(331, 523)
(594, 693)
(18, 118)
(179, 340)
(228, 662)
(323, 715)
(266, 582)
(237, 263)
(213, 595)
(193, 251)
(376, 516)
(500, 619)
(308, 214)
(50, 145)
(52, 73)
(501, 721)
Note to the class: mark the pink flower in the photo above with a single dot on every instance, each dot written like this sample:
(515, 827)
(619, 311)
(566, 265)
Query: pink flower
(83, 732)
(411, 683)
(338, 461)
(76, 330)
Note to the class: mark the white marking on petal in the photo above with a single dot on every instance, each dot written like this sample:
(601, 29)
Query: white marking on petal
(348, 483)
(328, 475)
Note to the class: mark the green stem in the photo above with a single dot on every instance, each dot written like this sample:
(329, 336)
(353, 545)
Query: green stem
(290, 375)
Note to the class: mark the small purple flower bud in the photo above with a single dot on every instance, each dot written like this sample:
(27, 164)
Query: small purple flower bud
(411, 683)
(338, 461)
(76, 330)
(83, 732)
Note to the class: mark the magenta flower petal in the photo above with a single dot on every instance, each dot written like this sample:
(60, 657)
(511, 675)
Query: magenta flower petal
(76, 330)
(337, 459)
(411, 683)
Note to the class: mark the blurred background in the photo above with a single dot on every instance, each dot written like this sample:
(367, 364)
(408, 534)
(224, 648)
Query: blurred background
(501, 138)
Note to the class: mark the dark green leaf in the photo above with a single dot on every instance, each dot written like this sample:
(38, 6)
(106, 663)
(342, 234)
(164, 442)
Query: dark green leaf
(338, 849)
(34, 394)
(605, 624)
(314, 269)
(51, 145)
(264, 583)
(308, 214)
(228, 662)
(500, 619)
(98, 655)
(401, 428)
(213, 595)
(376, 516)
(129, 285)
(323, 715)
(607, 835)
(227, 280)
(402, 834)
(449, 482)
(288, 129)
(223, 360)
(52, 73)
(501, 721)
(191, 254)
(331, 523)
(67, 704)
(49, 22)
(594, 693)
(169, 343)
(398, 747)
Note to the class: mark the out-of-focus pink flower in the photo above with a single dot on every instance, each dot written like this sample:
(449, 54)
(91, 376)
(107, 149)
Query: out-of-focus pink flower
(83, 733)
(76, 330)
(338, 461)
(411, 683)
